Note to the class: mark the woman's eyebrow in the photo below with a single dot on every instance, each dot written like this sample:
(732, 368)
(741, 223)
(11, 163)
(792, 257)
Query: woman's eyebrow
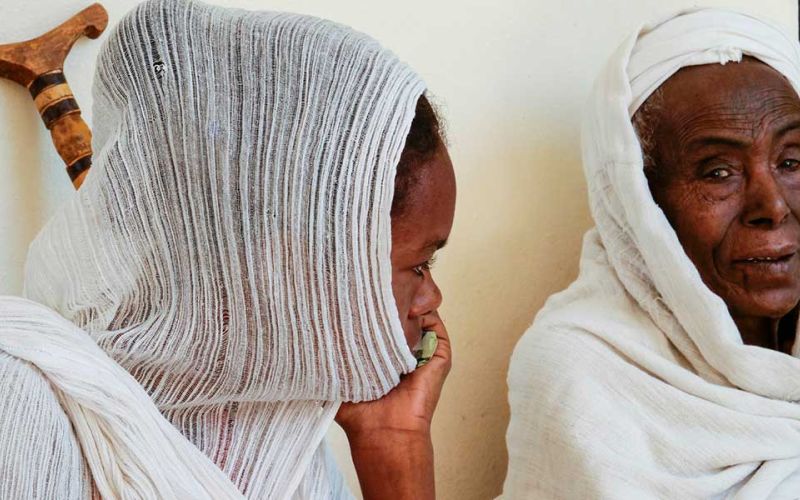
(437, 244)
(792, 125)
(737, 142)
(708, 141)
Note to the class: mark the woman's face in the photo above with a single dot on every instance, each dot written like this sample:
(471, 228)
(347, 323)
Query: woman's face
(727, 176)
(418, 231)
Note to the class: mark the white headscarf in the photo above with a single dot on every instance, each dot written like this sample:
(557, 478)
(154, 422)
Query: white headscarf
(635, 382)
(230, 248)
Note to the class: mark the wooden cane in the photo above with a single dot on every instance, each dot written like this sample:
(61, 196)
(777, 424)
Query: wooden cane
(38, 65)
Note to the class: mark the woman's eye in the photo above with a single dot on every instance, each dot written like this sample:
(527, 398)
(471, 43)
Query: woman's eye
(790, 165)
(718, 174)
(425, 266)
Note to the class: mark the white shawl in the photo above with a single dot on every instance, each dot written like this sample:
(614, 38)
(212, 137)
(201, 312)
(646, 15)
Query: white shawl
(225, 265)
(634, 382)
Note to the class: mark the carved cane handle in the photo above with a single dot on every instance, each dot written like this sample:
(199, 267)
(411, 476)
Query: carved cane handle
(38, 65)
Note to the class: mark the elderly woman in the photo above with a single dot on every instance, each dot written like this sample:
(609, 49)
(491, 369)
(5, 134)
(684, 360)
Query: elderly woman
(670, 368)
(248, 259)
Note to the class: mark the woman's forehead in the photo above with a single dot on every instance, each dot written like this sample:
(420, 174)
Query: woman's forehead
(428, 217)
(719, 82)
(747, 97)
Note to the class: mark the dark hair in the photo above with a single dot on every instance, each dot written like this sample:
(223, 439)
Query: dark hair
(423, 141)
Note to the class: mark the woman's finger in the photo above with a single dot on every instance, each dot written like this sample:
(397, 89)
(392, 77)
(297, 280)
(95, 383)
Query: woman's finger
(442, 357)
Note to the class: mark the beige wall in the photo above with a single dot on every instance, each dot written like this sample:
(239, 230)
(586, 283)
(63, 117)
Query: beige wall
(511, 77)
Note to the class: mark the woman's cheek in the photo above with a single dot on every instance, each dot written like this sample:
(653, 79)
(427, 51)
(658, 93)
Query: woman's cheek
(402, 294)
(404, 290)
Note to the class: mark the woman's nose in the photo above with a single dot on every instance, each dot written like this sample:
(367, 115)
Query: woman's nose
(427, 299)
(766, 205)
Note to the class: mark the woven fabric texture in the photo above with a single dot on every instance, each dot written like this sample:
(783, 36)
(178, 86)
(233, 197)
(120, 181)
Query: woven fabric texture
(225, 268)
(635, 382)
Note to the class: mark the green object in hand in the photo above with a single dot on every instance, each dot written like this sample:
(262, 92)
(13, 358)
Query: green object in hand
(425, 348)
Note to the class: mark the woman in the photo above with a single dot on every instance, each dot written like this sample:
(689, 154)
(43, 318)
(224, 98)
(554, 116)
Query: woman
(669, 368)
(241, 260)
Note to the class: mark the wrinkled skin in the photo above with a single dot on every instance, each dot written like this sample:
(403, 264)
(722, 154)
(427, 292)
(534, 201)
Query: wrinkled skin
(727, 176)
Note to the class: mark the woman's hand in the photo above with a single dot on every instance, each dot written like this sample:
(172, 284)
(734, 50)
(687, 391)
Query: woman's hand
(390, 438)
(409, 407)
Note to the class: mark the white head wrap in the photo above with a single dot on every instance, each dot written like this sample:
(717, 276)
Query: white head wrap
(635, 382)
(230, 248)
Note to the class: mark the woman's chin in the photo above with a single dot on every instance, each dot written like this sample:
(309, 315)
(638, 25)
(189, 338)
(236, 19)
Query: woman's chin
(774, 304)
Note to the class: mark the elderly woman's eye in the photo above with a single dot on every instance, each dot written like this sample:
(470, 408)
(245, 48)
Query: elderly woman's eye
(789, 164)
(718, 173)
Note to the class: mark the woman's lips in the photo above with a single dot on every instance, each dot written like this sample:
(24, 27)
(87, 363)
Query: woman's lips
(774, 264)
(768, 253)
(765, 260)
